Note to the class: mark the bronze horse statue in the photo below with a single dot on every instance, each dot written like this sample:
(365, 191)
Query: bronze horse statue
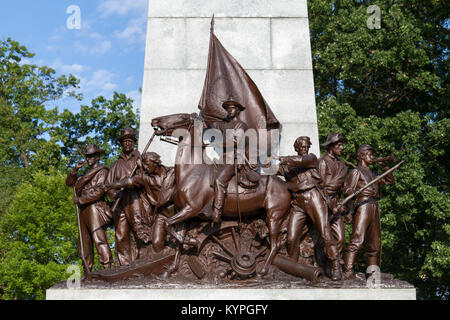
(193, 190)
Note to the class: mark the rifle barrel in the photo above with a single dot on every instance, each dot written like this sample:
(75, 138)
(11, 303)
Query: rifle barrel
(354, 194)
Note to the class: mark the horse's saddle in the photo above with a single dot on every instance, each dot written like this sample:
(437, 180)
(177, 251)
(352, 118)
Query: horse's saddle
(248, 178)
(248, 181)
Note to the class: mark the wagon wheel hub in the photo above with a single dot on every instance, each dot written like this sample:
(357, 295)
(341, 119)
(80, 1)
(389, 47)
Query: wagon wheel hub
(241, 261)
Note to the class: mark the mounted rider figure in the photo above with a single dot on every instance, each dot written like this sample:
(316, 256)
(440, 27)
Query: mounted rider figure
(230, 125)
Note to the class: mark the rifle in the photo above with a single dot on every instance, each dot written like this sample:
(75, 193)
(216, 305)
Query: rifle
(356, 193)
(80, 237)
(116, 203)
(83, 260)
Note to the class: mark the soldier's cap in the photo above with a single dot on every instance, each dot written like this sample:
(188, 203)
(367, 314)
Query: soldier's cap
(302, 138)
(364, 148)
(232, 102)
(92, 149)
(334, 138)
(152, 156)
(128, 133)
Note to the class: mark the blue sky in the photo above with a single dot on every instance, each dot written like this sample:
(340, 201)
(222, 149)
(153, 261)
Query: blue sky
(106, 53)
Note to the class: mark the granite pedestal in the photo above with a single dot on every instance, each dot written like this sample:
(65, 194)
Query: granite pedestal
(289, 289)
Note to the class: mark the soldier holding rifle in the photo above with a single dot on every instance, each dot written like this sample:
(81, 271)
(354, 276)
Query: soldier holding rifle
(332, 171)
(94, 213)
(366, 220)
(130, 217)
(156, 182)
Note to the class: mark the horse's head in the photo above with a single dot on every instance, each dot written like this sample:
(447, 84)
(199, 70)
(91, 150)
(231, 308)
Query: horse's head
(164, 126)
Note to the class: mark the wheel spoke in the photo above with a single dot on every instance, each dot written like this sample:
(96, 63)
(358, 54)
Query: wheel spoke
(223, 246)
(222, 257)
(235, 239)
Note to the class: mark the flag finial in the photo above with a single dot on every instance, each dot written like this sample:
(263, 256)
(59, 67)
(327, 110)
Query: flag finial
(212, 24)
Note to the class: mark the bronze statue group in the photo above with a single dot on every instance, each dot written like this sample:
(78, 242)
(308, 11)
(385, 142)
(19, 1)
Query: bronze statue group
(140, 185)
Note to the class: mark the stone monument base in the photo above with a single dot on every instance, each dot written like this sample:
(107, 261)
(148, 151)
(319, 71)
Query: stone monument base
(231, 294)
(153, 288)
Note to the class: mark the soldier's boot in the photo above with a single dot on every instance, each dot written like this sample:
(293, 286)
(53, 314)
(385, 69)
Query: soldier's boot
(336, 272)
(348, 264)
(220, 192)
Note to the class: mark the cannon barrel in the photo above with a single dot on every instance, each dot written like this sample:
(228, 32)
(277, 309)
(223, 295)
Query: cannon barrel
(296, 269)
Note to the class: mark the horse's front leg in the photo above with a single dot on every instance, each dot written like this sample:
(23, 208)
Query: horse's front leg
(185, 214)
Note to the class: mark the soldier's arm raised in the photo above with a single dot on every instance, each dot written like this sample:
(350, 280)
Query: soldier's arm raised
(389, 178)
(72, 177)
(306, 161)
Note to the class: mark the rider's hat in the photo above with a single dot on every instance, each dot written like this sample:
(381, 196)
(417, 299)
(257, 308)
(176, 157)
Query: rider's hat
(232, 102)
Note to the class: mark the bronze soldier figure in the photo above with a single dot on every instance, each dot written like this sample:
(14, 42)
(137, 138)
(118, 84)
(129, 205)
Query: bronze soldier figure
(308, 202)
(366, 220)
(95, 213)
(158, 182)
(227, 172)
(332, 171)
(130, 216)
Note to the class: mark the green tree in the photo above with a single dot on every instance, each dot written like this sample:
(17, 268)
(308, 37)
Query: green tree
(389, 87)
(24, 119)
(100, 123)
(38, 237)
(38, 227)
(381, 72)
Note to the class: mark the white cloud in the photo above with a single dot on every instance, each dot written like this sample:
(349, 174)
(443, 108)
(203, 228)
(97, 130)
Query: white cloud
(129, 80)
(75, 69)
(38, 62)
(98, 49)
(134, 32)
(100, 83)
(121, 7)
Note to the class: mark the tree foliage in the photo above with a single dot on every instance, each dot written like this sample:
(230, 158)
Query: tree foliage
(389, 87)
(100, 123)
(38, 226)
(24, 91)
(38, 237)
(382, 71)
